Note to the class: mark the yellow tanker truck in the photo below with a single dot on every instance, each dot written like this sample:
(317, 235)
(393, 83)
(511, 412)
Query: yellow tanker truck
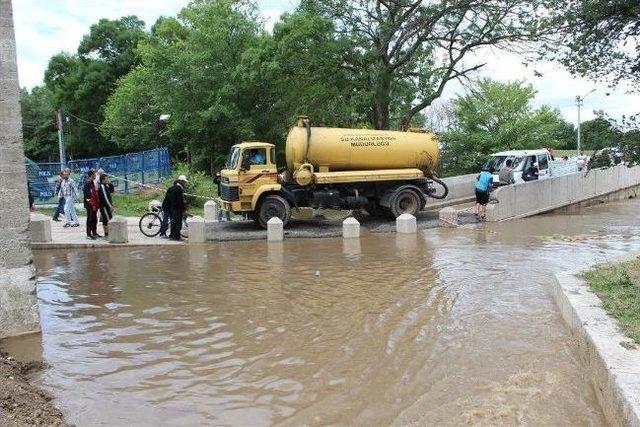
(385, 173)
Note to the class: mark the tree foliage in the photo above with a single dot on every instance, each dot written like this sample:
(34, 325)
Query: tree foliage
(221, 78)
(598, 39)
(81, 83)
(38, 124)
(405, 52)
(496, 116)
(190, 70)
(599, 133)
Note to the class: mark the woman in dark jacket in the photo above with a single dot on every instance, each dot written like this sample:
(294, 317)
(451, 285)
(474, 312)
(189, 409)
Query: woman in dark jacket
(106, 204)
(91, 204)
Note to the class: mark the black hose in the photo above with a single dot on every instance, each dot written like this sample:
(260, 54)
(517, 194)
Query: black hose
(446, 189)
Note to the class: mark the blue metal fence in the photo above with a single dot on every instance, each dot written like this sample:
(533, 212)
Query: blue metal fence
(127, 172)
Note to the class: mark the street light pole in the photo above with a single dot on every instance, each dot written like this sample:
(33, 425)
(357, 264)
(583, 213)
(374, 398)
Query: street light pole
(580, 103)
(59, 121)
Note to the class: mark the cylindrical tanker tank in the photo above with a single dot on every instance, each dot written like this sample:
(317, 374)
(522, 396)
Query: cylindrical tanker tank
(337, 149)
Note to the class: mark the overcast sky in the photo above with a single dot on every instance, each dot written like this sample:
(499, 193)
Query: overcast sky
(46, 27)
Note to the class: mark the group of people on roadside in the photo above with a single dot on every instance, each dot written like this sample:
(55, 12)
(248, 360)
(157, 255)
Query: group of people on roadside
(97, 197)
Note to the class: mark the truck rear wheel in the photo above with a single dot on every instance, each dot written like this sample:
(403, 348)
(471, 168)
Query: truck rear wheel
(405, 201)
(273, 206)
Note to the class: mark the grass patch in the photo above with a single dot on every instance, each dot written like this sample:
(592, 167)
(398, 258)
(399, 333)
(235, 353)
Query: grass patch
(569, 153)
(618, 286)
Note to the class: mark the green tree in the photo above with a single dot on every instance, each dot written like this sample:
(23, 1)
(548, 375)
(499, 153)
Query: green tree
(598, 39)
(131, 116)
(599, 133)
(298, 71)
(495, 116)
(38, 124)
(190, 70)
(81, 83)
(404, 53)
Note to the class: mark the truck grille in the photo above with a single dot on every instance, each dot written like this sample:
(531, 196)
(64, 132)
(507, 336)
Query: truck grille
(230, 194)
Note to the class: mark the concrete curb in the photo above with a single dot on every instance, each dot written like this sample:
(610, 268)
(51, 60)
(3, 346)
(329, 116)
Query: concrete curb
(613, 369)
(103, 245)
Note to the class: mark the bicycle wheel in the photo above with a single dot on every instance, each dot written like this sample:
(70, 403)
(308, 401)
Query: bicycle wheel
(150, 224)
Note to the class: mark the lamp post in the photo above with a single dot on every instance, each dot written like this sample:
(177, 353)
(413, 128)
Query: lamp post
(579, 103)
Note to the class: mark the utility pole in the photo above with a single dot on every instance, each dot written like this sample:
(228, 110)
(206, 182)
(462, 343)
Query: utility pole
(580, 103)
(59, 122)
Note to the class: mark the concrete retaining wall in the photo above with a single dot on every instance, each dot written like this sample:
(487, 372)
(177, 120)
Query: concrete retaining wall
(461, 190)
(531, 198)
(18, 305)
(613, 369)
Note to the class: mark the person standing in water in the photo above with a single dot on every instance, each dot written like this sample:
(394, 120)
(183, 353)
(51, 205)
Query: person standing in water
(484, 185)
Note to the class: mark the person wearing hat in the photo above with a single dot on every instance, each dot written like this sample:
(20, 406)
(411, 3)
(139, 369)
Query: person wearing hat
(174, 208)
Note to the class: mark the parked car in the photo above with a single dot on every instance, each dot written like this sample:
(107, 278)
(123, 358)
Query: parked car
(522, 159)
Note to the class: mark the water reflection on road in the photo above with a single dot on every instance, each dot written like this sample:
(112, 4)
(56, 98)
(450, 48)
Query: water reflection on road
(447, 327)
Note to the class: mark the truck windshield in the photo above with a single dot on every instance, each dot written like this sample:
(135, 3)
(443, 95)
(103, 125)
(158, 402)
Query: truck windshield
(232, 160)
(496, 162)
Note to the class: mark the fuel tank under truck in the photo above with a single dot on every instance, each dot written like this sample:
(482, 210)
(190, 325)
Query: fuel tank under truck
(337, 149)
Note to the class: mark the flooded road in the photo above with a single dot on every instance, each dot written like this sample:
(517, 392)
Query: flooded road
(452, 326)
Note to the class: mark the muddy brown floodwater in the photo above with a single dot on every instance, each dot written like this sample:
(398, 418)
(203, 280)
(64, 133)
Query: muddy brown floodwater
(452, 326)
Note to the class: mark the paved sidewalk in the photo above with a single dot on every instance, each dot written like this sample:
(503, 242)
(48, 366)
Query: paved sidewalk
(76, 237)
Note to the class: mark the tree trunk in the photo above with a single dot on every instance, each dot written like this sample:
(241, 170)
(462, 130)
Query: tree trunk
(380, 108)
(405, 121)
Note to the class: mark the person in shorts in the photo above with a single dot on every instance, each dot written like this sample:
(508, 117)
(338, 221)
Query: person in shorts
(484, 185)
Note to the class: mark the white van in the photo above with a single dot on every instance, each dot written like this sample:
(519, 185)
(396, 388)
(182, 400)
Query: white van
(522, 159)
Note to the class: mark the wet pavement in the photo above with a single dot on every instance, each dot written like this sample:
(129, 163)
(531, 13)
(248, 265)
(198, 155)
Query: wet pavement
(447, 327)
(68, 237)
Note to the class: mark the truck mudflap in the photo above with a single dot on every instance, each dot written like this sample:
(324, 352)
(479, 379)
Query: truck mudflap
(289, 197)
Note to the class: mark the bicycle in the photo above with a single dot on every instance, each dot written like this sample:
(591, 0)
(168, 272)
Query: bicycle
(151, 221)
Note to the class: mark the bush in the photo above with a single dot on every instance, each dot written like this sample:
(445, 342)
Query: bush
(199, 189)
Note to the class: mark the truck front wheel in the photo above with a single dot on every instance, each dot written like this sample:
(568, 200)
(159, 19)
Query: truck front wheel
(273, 206)
(405, 201)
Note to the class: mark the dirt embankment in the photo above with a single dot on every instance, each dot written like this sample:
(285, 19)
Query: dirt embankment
(22, 403)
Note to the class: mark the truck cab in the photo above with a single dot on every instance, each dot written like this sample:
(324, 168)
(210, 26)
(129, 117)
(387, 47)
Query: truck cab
(250, 171)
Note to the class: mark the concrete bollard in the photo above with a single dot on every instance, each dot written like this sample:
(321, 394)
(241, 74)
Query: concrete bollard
(406, 224)
(350, 228)
(40, 229)
(118, 230)
(197, 231)
(211, 209)
(275, 230)
(448, 217)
